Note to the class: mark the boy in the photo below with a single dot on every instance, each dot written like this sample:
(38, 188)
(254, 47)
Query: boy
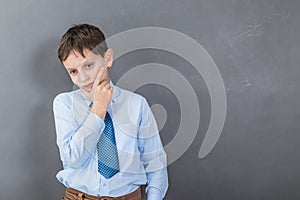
(108, 139)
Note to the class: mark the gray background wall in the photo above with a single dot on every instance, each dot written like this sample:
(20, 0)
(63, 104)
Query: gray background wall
(254, 43)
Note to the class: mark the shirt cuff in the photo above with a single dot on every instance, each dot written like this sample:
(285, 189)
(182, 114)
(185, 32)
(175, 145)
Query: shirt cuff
(94, 122)
(90, 131)
(154, 194)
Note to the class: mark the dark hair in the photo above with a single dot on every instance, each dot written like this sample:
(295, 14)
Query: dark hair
(80, 37)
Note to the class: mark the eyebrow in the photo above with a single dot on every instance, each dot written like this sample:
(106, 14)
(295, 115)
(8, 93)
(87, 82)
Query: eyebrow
(87, 61)
(84, 63)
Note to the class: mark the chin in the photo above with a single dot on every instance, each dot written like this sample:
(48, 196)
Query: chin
(86, 90)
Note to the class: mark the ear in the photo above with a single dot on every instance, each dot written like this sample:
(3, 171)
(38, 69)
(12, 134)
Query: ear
(109, 57)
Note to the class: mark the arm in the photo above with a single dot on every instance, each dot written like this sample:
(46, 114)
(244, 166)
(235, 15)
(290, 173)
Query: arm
(153, 155)
(76, 144)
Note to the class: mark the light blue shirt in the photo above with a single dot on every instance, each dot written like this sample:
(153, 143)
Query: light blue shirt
(142, 159)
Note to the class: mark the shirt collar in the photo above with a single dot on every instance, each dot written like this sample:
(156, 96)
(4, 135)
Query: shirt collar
(114, 97)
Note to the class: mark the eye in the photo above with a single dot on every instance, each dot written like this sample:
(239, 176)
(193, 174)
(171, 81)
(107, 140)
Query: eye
(72, 72)
(89, 65)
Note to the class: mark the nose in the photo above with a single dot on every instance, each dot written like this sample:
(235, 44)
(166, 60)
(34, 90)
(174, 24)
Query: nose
(83, 76)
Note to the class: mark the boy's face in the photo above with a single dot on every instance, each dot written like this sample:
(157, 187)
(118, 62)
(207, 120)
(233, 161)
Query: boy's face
(83, 70)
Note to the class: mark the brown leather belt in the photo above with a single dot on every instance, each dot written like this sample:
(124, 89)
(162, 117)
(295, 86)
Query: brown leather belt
(72, 194)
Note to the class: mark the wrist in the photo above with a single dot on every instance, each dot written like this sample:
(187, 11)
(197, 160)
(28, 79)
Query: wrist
(154, 194)
(101, 112)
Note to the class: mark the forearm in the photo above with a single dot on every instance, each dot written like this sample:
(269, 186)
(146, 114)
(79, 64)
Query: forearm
(157, 184)
(76, 147)
(156, 171)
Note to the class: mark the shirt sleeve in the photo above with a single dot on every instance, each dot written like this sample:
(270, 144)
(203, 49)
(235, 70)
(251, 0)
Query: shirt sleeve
(153, 155)
(76, 144)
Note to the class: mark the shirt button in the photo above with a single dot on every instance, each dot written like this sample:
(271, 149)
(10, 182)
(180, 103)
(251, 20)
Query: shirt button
(104, 185)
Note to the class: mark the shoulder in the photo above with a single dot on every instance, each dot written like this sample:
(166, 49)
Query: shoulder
(129, 106)
(66, 98)
(132, 97)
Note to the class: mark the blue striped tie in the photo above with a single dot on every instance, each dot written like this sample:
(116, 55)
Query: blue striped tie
(108, 162)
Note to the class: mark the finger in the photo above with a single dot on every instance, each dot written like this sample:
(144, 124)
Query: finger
(111, 89)
(103, 83)
(98, 77)
(107, 85)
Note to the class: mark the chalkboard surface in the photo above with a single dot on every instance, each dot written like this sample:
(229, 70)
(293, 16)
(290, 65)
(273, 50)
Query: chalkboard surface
(254, 46)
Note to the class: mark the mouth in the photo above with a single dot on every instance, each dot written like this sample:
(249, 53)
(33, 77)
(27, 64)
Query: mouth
(88, 86)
